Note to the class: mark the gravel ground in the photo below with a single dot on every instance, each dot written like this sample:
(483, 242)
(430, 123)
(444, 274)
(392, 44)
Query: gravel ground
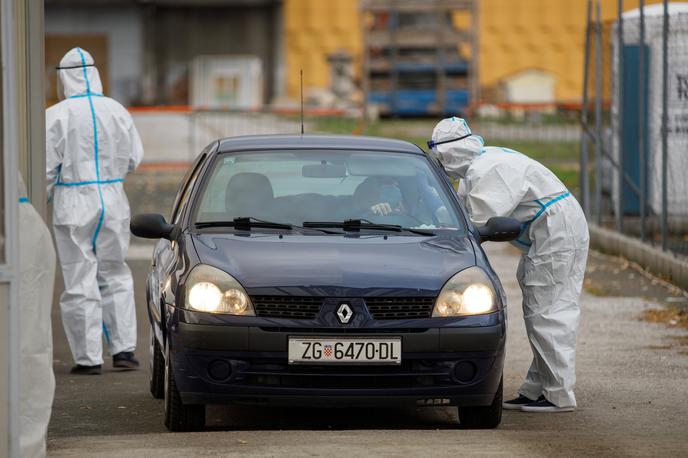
(632, 392)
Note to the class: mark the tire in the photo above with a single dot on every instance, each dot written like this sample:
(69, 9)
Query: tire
(483, 417)
(157, 368)
(180, 416)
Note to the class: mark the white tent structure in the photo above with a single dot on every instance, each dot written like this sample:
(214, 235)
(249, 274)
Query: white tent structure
(22, 140)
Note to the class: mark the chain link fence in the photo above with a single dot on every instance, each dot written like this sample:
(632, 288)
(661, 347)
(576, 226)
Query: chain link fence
(634, 123)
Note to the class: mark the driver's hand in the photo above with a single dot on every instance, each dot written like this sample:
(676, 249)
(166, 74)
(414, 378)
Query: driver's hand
(381, 209)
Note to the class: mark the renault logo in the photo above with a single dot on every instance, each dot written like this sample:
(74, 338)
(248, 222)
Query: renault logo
(345, 313)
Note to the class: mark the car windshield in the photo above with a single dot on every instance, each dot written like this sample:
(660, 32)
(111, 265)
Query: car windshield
(295, 187)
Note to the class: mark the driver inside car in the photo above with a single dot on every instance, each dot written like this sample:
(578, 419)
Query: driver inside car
(380, 196)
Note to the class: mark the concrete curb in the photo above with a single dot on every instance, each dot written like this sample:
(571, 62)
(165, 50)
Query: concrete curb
(666, 265)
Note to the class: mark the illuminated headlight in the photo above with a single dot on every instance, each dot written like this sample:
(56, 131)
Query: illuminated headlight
(469, 292)
(209, 289)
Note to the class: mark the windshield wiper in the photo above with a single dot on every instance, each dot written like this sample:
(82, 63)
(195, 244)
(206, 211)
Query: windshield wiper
(358, 224)
(245, 223)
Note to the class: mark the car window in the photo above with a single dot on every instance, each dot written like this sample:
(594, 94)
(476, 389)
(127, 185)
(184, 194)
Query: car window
(188, 185)
(185, 188)
(328, 185)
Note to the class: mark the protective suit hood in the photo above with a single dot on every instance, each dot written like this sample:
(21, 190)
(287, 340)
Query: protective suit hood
(456, 156)
(77, 74)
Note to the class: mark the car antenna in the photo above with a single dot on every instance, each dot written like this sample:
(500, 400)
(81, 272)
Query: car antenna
(302, 101)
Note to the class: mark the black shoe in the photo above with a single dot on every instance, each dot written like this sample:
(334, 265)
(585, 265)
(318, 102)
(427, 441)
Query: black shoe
(86, 370)
(125, 360)
(516, 404)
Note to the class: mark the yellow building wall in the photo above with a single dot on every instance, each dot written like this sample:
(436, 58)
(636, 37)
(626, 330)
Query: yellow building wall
(543, 34)
(515, 35)
(313, 30)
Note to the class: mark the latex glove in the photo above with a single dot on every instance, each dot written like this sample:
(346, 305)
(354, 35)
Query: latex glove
(382, 209)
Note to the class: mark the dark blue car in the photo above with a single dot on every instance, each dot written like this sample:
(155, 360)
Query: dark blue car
(323, 270)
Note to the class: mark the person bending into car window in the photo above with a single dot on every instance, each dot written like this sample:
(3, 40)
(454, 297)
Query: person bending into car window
(554, 244)
(91, 144)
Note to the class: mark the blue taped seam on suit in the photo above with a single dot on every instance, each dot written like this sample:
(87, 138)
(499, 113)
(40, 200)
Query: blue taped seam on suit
(85, 183)
(466, 126)
(95, 152)
(543, 208)
(107, 333)
(93, 94)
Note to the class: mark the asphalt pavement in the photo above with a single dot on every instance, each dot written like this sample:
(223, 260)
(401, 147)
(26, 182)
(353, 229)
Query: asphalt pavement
(632, 392)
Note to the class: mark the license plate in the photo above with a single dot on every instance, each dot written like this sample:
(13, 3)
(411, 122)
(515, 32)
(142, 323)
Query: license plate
(344, 350)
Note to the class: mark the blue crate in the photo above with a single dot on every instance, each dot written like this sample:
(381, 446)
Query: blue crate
(410, 102)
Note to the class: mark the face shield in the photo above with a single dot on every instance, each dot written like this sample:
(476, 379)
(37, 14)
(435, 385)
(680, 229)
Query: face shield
(455, 146)
(432, 144)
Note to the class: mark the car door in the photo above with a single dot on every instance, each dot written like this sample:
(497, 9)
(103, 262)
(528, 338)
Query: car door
(166, 251)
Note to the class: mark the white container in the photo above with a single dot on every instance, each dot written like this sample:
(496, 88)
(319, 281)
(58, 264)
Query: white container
(227, 82)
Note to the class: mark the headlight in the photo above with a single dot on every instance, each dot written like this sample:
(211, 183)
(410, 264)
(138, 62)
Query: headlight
(469, 292)
(209, 289)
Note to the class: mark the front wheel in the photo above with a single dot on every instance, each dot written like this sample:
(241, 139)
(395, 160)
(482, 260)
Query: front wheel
(483, 417)
(180, 416)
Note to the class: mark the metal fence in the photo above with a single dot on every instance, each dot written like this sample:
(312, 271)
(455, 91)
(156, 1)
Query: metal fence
(634, 123)
(178, 135)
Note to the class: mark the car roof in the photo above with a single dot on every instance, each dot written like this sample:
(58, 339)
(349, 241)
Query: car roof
(327, 142)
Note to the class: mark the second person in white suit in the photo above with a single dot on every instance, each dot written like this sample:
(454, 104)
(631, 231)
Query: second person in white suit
(554, 245)
(92, 144)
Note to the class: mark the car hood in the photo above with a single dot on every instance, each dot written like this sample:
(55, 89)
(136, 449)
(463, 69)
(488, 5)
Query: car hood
(336, 265)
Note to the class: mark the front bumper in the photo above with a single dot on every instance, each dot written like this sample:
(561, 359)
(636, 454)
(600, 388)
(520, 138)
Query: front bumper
(241, 359)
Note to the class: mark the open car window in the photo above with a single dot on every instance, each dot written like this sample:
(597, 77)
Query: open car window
(327, 185)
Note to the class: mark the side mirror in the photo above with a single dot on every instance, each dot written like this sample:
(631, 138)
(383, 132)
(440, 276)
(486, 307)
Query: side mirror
(500, 229)
(150, 226)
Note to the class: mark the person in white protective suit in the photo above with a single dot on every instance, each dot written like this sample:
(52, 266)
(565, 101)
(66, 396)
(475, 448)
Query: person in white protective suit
(91, 145)
(554, 245)
(36, 280)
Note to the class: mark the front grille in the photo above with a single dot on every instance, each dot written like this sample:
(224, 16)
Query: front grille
(287, 306)
(400, 308)
(408, 374)
(307, 307)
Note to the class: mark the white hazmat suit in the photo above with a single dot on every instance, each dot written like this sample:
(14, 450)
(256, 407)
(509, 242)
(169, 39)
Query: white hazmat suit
(36, 281)
(92, 144)
(554, 245)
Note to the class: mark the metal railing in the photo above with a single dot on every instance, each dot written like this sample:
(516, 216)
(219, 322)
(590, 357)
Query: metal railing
(177, 135)
(634, 123)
